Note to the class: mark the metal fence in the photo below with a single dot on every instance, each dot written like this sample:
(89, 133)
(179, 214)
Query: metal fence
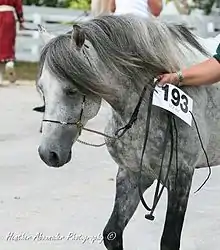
(58, 21)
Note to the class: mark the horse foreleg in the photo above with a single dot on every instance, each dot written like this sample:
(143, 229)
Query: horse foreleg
(126, 201)
(178, 195)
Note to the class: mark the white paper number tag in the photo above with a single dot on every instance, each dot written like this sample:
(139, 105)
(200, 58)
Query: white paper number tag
(173, 99)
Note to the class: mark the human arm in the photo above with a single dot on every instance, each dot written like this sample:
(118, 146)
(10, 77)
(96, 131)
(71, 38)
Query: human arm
(112, 6)
(155, 6)
(207, 72)
(19, 12)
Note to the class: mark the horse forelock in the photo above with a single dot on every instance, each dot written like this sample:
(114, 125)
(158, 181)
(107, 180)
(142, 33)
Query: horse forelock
(67, 63)
(128, 46)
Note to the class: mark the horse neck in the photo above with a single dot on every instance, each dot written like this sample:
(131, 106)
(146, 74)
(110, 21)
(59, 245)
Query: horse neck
(125, 97)
(124, 93)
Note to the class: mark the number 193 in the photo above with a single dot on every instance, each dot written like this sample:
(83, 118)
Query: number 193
(176, 98)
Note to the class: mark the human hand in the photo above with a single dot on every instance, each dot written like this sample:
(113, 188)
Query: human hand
(21, 26)
(171, 78)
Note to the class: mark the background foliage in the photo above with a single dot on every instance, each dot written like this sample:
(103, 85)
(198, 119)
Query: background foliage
(76, 4)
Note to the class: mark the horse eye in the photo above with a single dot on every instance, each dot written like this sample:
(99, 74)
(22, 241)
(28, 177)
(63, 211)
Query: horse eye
(70, 92)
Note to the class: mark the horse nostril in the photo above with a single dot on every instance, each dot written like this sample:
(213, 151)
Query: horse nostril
(53, 158)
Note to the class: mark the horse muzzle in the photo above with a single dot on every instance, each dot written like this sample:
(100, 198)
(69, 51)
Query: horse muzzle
(52, 158)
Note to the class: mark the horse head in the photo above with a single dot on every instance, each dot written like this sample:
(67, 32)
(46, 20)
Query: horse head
(67, 106)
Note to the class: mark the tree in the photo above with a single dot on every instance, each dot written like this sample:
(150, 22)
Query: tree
(80, 4)
(205, 5)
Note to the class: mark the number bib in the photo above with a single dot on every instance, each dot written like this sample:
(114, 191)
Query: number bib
(176, 101)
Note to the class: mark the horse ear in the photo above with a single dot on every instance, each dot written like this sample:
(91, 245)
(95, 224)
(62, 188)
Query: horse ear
(78, 36)
(46, 36)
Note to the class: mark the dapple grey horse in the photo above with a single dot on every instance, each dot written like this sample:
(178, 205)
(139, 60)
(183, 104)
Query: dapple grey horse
(113, 58)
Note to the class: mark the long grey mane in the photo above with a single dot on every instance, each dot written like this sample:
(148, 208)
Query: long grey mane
(126, 45)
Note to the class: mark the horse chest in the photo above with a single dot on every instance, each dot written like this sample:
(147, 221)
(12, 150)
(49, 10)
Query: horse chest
(123, 154)
(127, 150)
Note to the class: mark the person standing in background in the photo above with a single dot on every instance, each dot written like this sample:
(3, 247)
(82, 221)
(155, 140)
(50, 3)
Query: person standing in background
(100, 7)
(144, 8)
(8, 35)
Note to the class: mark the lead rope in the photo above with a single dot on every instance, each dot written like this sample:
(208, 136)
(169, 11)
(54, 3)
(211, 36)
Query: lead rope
(177, 166)
(205, 153)
(158, 194)
(126, 127)
(171, 123)
(134, 114)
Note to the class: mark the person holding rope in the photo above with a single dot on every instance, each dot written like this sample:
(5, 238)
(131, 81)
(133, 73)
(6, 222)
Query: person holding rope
(204, 73)
(8, 35)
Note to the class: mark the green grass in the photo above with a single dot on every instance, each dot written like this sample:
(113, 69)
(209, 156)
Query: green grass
(26, 70)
